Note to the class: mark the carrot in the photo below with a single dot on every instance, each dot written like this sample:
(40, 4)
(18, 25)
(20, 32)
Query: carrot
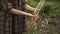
(35, 18)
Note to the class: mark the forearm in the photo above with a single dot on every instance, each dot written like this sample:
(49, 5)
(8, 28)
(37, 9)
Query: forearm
(18, 12)
(29, 7)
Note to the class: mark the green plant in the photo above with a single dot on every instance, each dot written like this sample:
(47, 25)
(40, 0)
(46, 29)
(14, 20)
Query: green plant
(47, 8)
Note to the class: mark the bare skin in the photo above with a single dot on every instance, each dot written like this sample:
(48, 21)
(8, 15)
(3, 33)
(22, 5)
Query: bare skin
(19, 12)
(29, 7)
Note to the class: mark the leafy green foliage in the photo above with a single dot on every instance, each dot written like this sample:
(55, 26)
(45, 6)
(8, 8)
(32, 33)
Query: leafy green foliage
(32, 3)
(46, 9)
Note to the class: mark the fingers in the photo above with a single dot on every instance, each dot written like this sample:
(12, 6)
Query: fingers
(36, 11)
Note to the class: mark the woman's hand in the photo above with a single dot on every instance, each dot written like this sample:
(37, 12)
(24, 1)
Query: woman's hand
(36, 16)
(36, 11)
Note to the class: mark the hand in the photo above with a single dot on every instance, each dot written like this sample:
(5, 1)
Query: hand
(35, 18)
(36, 11)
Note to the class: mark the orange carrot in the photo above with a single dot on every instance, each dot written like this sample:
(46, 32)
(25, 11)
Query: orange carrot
(35, 18)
